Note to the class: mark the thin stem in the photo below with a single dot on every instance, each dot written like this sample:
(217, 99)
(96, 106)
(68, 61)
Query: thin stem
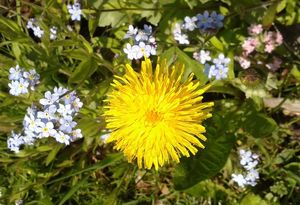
(18, 8)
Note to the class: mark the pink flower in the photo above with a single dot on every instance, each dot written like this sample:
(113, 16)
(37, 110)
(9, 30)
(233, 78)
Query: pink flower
(268, 37)
(249, 45)
(255, 29)
(278, 38)
(244, 62)
(274, 37)
(269, 47)
(275, 65)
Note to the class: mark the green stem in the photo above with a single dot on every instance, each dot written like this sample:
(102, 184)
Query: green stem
(18, 8)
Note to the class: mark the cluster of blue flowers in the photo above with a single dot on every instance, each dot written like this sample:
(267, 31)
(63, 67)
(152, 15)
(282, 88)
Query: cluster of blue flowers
(205, 22)
(75, 15)
(249, 161)
(38, 32)
(55, 119)
(214, 67)
(22, 80)
(208, 22)
(144, 43)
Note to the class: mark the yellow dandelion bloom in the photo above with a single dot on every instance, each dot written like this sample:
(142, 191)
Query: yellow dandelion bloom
(154, 117)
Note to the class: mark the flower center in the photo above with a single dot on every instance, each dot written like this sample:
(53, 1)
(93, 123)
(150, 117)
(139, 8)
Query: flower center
(153, 116)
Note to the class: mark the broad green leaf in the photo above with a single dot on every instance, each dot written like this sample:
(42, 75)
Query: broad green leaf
(259, 125)
(207, 162)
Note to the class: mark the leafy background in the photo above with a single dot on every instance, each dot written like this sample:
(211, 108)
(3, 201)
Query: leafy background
(86, 58)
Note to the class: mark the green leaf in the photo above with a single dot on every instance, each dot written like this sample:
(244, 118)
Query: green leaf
(230, 55)
(59, 43)
(208, 162)
(293, 167)
(72, 191)
(252, 199)
(259, 125)
(109, 160)
(53, 154)
(296, 73)
(90, 128)
(83, 71)
(209, 189)
(79, 54)
(174, 54)
(284, 156)
(107, 42)
(216, 43)
(270, 15)
(281, 6)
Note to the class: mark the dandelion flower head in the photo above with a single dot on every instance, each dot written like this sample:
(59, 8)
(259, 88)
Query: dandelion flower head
(155, 116)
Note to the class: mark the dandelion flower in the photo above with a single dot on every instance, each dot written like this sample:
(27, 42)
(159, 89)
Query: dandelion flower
(155, 117)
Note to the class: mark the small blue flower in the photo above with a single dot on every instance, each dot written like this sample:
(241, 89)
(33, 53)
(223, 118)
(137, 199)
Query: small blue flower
(75, 11)
(49, 99)
(207, 22)
(217, 20)
(67, 124)
(204, 21)
(219, 70)
(15, 73)
(62, 138)
(14, 142)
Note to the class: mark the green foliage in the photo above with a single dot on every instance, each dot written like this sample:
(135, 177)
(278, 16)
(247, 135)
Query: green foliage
(208, 162)
(253, 108)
